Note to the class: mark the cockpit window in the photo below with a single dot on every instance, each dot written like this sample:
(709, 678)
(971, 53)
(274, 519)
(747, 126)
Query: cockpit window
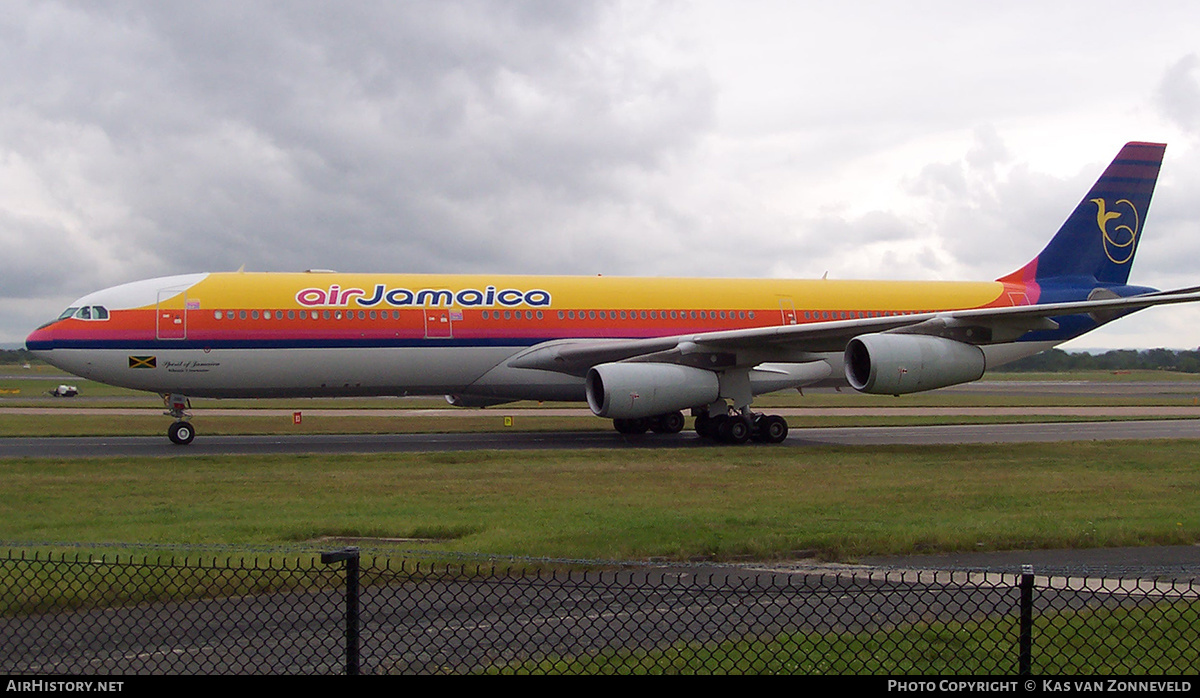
(87, 312)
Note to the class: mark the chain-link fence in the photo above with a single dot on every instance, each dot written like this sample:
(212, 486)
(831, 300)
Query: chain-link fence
(79, 614)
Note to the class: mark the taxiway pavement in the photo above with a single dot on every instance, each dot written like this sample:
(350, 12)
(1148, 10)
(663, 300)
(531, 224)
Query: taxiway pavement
(159, 446)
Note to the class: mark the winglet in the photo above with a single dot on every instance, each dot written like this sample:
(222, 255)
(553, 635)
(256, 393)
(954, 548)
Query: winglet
(1095, 246)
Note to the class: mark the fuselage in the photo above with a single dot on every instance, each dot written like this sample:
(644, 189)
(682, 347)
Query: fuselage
(331, 334)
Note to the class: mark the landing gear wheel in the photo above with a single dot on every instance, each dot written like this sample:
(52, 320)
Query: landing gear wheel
(181, 433)
(771, 429)
(632, 426)
(669, 423)
(734, 430)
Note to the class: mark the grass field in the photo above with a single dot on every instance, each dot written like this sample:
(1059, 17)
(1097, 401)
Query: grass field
(722, 504)
(978, 648)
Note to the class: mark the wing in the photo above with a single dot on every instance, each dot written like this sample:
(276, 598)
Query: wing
(806, 342)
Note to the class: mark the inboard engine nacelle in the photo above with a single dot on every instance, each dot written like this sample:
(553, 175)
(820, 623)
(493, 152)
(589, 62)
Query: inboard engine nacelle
(636, 390)
(894, 364)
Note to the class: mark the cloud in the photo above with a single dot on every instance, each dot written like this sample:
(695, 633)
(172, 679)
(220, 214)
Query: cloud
(140, 139)
(417, 136)
(1178, 94)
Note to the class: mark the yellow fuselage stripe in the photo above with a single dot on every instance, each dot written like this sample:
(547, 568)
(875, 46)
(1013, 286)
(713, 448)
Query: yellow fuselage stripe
(263, 290)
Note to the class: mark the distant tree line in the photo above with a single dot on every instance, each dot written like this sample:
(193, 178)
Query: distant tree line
(15, 356)
(1185, 361)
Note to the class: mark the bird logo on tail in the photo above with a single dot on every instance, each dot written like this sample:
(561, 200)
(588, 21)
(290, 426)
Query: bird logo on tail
(1119, 239)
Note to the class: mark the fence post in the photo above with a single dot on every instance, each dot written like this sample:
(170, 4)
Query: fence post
(350, 556)
(1026, 658)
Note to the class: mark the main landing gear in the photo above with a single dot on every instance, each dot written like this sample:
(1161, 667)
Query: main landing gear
(669, 423)
(731, 428)
(181, 431)
(736, 428)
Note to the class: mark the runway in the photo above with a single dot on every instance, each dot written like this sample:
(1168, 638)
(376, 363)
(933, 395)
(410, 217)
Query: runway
(159, 446)
(1136, 422)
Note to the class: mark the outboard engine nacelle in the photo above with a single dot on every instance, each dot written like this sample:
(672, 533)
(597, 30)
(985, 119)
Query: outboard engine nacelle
(635, 390)
(477, 400)
(895, 364)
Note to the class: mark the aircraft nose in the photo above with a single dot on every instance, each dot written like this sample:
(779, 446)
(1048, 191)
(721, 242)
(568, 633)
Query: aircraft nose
(41, 339)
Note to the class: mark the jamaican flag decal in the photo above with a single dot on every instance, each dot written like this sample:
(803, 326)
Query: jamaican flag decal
(143, 362)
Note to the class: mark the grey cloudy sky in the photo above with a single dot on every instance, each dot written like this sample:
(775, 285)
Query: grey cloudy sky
(939, 140)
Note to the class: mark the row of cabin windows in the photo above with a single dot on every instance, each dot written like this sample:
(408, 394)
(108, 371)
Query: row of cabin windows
(304, 314)
(852, 314)
(488, 315)
(625, 314)
(97, 312)
(657, 314)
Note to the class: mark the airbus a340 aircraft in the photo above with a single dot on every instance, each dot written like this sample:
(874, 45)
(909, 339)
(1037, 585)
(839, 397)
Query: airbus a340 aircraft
(640, 351)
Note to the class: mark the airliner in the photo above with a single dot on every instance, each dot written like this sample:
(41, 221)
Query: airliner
(640, 351)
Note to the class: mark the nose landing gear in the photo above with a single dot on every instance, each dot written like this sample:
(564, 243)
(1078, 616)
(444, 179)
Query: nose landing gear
(181, 431)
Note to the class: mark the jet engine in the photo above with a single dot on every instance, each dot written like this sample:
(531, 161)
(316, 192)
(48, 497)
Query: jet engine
(476, 400)
(635, 390)
(895, 364)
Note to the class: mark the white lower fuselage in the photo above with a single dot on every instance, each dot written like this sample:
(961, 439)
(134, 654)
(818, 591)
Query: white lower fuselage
(346, 372)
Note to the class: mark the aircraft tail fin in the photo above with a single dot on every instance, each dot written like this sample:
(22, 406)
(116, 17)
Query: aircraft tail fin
(1095, 246)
